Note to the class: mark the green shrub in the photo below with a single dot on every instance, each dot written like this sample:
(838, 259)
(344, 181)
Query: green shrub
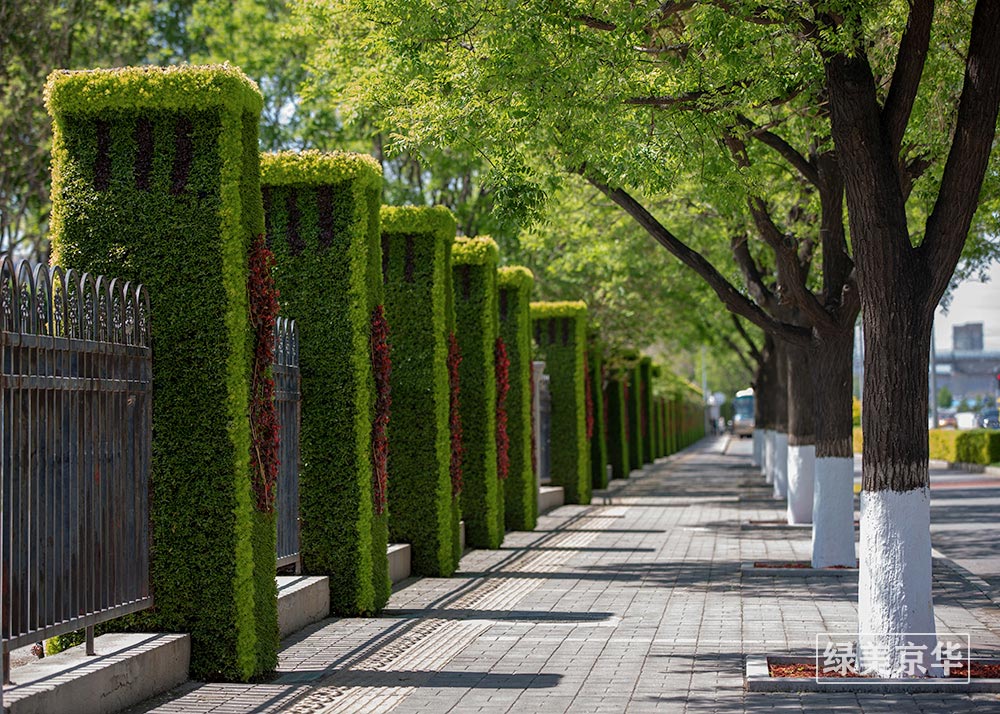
(598, 438)
(561, 337)
(656, 426)
(418, 302)
(474, 282)
(646, 407)
(520, 491)
(633, 406)
(322, 223)
(617, 439)
(155, 180)
(976, 446)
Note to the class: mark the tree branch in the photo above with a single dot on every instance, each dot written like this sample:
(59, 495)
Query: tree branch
(596, 23)
(975, 131)
(906, 74)
(732, 298)
(697, 95)
(755, 352)
(803, 165)
(739, 353)
(751, 273)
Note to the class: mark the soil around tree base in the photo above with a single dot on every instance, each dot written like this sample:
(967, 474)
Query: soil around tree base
(979, 670)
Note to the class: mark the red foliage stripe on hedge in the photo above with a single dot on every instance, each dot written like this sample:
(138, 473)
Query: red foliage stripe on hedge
(454, 415)
(382, 371)
(502, 368)
(264, 429)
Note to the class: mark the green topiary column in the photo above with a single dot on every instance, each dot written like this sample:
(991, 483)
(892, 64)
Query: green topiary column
(661, 413)
(155, 180)
(598, 439)
(633, 406)
(646, 405)
(322, 214)
(474, 284)
(561, 335)
(520, 491)
(614, 398)
(423, 487)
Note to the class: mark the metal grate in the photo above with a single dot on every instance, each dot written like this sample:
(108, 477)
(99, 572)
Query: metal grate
(289, 405)
(75, 452)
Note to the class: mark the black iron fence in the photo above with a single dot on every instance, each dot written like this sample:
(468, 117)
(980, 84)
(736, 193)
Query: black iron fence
(542, 401)
(289, 404)
(75, 414)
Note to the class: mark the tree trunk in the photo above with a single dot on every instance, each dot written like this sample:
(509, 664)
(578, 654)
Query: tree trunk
(779, 458)
(833, 498)
(801, 435)
(761, 401)
(894, 585)
(769, 407)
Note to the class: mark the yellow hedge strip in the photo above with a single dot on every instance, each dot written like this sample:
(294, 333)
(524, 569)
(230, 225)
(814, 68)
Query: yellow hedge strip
(974, 446)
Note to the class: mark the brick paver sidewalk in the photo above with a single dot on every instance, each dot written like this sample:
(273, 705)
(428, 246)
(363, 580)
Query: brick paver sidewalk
(633, 604)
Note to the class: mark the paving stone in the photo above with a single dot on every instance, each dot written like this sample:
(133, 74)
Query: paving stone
(636, 604)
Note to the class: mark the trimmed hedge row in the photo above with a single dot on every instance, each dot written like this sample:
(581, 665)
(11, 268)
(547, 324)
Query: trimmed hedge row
(561, 337)
(520, 491)
(598, 438)
(323, 225)
(617, 439)
(633, 405)
(972, 446)
(646, 407)
(155, 180)
(474, 271)
(416, 246)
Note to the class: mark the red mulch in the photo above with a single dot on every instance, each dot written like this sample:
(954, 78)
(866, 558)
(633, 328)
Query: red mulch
(776, 522)
(807, 670)
(798, 564)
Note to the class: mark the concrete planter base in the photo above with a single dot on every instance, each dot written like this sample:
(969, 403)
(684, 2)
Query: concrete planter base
(399, 562)
(550, 497)
(127, 669)
(301, 601)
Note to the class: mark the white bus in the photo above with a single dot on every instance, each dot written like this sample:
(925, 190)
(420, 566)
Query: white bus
(743, 413)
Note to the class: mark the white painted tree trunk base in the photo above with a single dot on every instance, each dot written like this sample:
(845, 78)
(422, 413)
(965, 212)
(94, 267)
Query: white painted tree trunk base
(894, 586)
(833, 513)
(758, 448)
(768, 460)
(780, 464)
(801, 477)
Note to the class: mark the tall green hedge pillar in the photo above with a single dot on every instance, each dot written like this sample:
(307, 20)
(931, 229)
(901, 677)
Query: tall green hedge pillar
(423, 487)
(520, 494)
(156, 180)
(322, 215)
(633, 405)
(598, 439)
(646, 405)
(614, 399)
(561, 336)
(474, 284)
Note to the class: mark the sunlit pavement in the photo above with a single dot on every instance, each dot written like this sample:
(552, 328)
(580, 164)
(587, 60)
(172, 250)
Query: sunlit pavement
(633, 604)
